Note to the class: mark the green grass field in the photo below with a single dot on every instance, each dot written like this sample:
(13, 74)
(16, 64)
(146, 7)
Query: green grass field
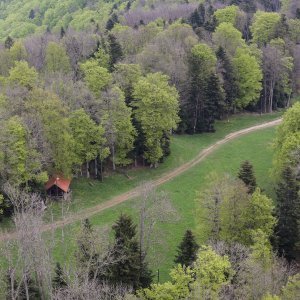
(182, 191)
(87, 193)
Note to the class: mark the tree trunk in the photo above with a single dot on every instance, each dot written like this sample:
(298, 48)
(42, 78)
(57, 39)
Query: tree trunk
(96, 168)
(87, 170)
(113, 157)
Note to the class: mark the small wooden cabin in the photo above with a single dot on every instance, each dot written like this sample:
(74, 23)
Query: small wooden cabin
(57, 187)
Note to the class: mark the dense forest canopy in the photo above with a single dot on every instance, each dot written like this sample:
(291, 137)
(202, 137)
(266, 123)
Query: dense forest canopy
(93, 87)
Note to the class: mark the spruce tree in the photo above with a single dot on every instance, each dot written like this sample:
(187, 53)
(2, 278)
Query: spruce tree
(86, 256)
(246, 174)
(187, 250)
(9, 42)
(59, 280)
(229, 85)
(213, 103)
(130, 267)
(288, 214)
(115, 50)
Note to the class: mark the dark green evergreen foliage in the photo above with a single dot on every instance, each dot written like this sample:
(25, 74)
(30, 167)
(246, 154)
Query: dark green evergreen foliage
(187, 250)
(62, 32)
(197, 18)
(283, 27)
(206, 100)
(9, 42)
(213, 104)
(86, 255)
(229, 82)
(288, 213)
(59, 280)
(298, 13)
(246, 174)
(115, 51)
(31, 14)
(130, 267)
(17, 290)
(112, 21)
(165, 144)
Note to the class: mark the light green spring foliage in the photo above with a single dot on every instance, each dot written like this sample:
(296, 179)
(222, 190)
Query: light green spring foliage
(260, 214)
(204, 55)
(261, 249)
(102, 58)
(229, 38)
(294, 30)
(287, 140)
(17, 52)
(88, 136)
(23, 75)
(264, 27)
(126, 75)
(270, 297)
(176, 289)
(57, 59)
(227, 14)
(116, 118)
(227, 212)
(49, 109)
(249, 76)
(19, 163)
(212, 272)
(157, 107)
(292, 289)
(96, 77)
(17, 20)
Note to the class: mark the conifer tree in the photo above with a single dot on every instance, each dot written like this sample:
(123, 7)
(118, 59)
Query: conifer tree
(288, 214)
(246, 174)
(130, 267)
(9, 42)
(213, 103)
(59, 280)
(115, 48)
(187, 250)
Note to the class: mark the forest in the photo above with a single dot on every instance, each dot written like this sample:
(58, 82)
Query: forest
(111, 94)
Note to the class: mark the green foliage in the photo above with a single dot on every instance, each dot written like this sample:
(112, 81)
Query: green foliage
(246, 174)
(156, 104)
(88, 137)
(292, 289)
(96, 77)
(264, 27)
(249, 75)
(212, 272)
(19, 163)
(116, 119)
(57, 59)
(229, 38)
(227, 14)
(129, 267)
(49, 109)
(59, 280)
(178, 288)
(287, 139)
(23, 75)
(187, 250)
(288, 214)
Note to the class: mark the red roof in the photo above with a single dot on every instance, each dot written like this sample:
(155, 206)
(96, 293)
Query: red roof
(59, 181)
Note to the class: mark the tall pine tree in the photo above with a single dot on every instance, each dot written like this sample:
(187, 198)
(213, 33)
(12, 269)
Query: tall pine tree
(187, 250)
(246, 174)
(59, 280)
(288, 214)
(130, 267)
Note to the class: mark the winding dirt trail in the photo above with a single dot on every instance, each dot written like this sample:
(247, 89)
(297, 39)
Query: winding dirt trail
(136, 191)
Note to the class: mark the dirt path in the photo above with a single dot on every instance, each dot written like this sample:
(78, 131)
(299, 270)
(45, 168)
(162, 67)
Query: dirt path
(136, 191)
